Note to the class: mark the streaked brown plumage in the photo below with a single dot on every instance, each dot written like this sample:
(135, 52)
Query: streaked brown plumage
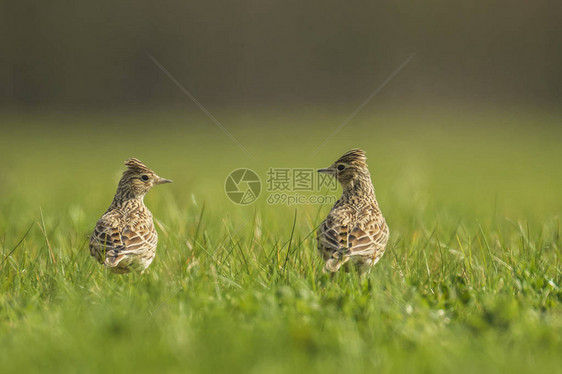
(355, 229)
(124, 238)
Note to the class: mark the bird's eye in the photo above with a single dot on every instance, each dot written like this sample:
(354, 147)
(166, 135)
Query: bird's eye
(341, 167)
(144, 177)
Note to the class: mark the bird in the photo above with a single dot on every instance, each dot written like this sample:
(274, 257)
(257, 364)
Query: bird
(124, 238)
(355, 230)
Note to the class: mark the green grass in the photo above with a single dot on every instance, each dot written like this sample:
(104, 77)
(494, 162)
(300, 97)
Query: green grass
(471, 280)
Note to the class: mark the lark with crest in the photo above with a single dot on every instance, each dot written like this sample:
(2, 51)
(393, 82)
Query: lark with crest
(124, 238)
(355, 230)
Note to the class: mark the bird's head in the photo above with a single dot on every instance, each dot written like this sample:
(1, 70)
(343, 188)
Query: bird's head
(138, 179)
(349, 167)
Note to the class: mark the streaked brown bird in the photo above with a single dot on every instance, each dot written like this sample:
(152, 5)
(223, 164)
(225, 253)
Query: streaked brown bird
(125, 239)
(355, 229)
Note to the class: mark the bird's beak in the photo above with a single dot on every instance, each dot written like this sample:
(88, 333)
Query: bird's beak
(329, 170)
(163, 180)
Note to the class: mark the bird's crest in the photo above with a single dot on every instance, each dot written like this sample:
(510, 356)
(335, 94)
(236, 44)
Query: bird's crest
(136, 165)
(354, 156)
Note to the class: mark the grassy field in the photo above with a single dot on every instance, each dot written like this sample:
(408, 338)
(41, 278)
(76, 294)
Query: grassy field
(471, 280)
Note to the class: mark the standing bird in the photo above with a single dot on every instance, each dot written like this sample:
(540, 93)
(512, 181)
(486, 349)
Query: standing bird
(124, 239)
(355, 228)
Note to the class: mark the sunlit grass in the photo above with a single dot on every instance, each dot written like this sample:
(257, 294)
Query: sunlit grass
(470, 281)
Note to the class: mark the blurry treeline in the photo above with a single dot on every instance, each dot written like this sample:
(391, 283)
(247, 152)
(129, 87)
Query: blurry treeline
(94, 53)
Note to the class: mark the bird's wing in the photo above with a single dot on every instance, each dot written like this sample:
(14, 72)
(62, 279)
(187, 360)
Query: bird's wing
(105, 239)
(139, 238)
(339, 240)
(110, 243)
(332, 238)
(365, 239)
